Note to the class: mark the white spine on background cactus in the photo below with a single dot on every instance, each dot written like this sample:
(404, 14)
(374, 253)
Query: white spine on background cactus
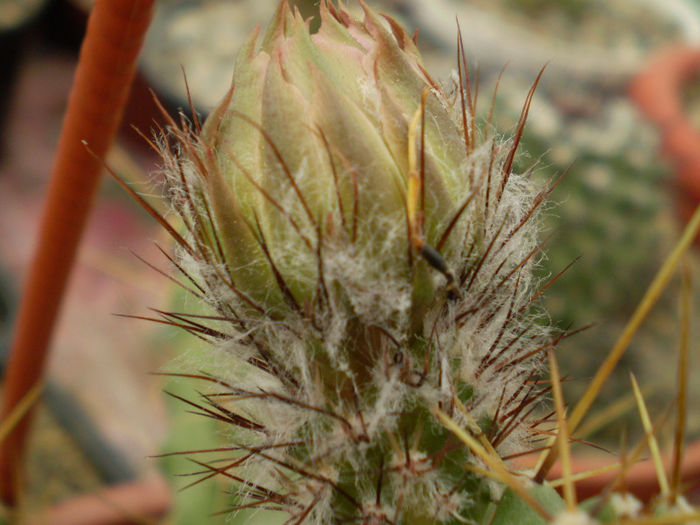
(367, 255)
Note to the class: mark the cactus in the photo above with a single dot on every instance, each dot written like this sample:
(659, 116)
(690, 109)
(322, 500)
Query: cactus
(365, 252)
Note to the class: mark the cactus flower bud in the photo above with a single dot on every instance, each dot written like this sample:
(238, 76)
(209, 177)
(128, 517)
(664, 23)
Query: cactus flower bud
(367, 254)
(312, 143)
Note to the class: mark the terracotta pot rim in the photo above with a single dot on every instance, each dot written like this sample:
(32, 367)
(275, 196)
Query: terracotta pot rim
(641, 478)
(123, 504)
(657, 92)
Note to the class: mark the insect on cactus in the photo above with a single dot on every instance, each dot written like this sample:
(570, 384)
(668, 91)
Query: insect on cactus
(365, 252)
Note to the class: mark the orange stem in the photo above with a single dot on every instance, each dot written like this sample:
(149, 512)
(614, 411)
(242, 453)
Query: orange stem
(106, 67)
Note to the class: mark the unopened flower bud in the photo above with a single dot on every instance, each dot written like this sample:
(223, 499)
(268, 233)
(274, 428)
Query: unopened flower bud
(367, 252)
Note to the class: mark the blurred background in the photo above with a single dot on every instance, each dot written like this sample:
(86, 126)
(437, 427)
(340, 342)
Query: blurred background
(620, 207)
